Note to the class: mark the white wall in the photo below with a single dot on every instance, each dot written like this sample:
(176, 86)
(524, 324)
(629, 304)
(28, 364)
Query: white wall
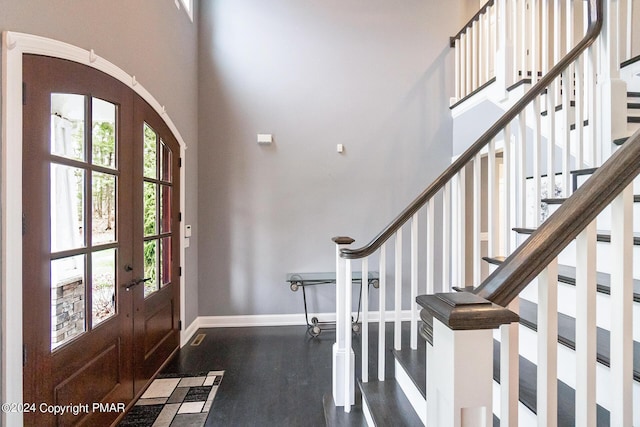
(372, 75)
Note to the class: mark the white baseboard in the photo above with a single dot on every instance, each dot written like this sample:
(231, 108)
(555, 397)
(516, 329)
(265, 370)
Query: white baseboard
(185, 336)
(297, 319)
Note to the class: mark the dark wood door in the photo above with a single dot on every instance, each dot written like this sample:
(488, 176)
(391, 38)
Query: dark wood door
(86, 314)
(156, 303)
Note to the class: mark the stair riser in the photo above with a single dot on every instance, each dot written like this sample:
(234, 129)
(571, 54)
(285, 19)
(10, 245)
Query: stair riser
(367, 413)
(567, 370)
(604, 219)
(526, 418)
(566, 305)
(629, 74)
(411, 391)
(604, 257)
(636, 182)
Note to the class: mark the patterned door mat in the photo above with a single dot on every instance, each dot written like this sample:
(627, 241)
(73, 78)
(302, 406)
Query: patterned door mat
(175, 400)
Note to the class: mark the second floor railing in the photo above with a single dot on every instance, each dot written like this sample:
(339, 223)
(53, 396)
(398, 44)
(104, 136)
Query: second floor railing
(510, 41)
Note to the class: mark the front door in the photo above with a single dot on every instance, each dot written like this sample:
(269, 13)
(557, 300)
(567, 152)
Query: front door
(94, 330)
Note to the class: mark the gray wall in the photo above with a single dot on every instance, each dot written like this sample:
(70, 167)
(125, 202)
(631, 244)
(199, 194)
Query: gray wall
(150, 39)
(372, 75)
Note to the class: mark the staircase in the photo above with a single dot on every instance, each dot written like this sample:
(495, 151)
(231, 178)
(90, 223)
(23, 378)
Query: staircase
(528, 272)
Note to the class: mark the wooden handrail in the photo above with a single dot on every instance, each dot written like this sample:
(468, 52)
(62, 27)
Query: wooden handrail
(595, 14)
(482, 11)
(575, 213)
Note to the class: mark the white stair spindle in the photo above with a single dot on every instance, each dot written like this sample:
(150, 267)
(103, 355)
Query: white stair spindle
(579, 112)
(544, 48)
(468, 72)
(461, 234)
(557, 40)
(522, 172)
(622, 308)
(477, 216)
(593, 153)
(550, 100)
(565, 133)
(492, 202)
(537, 169)
(414, 282)
(502, 61)
(515, 37)
(524, 39)
(454, 225)
(463, 66)
(457, 70)
(382, 290)
(548, 345)
(483, 43)
(509, 370)
(348, 367)
(586, 327)
(535, 40)
(446, 237)
(508, 201)
(568, 34)
(365, 320)
(475, 60)
(493, 48)
(397, 331)
(629, 31)
(551, 140)
(431, 247)
(482, 53)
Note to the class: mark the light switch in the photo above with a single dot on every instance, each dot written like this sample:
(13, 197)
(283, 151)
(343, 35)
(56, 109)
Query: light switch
(340, 148)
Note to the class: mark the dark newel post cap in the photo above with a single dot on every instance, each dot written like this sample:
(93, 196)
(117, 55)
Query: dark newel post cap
(466, 311)
(343, 240)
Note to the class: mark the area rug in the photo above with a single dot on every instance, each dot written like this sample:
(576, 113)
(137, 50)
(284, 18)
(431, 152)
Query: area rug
(175, 400)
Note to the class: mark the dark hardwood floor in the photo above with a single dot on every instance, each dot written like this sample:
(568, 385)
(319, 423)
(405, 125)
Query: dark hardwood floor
(274, 376)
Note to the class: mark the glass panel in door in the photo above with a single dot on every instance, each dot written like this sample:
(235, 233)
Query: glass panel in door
(83, 179)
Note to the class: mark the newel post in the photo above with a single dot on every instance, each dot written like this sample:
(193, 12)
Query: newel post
(343, 372)
(460, 357)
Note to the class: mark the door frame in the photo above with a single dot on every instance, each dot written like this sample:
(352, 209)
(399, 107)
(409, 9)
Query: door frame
(14, 46)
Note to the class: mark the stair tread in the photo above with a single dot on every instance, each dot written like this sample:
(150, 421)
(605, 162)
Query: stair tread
(633, 105)
(633, 119)
(602, 236)
(388, 403)
(413, 362)
(558, 108)
(528, 391)
(336, 417)
(567, 335)
(585, 171)
(560, 200)
(567, 274)
(620, 141)
(554, 200)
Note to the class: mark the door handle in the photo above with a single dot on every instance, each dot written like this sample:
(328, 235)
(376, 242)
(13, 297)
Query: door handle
(133, 283)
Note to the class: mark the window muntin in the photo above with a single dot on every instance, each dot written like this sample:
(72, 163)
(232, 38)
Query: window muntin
(84, 245)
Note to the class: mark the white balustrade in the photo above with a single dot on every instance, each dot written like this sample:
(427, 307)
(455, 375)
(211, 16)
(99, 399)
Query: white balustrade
(511, 40)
